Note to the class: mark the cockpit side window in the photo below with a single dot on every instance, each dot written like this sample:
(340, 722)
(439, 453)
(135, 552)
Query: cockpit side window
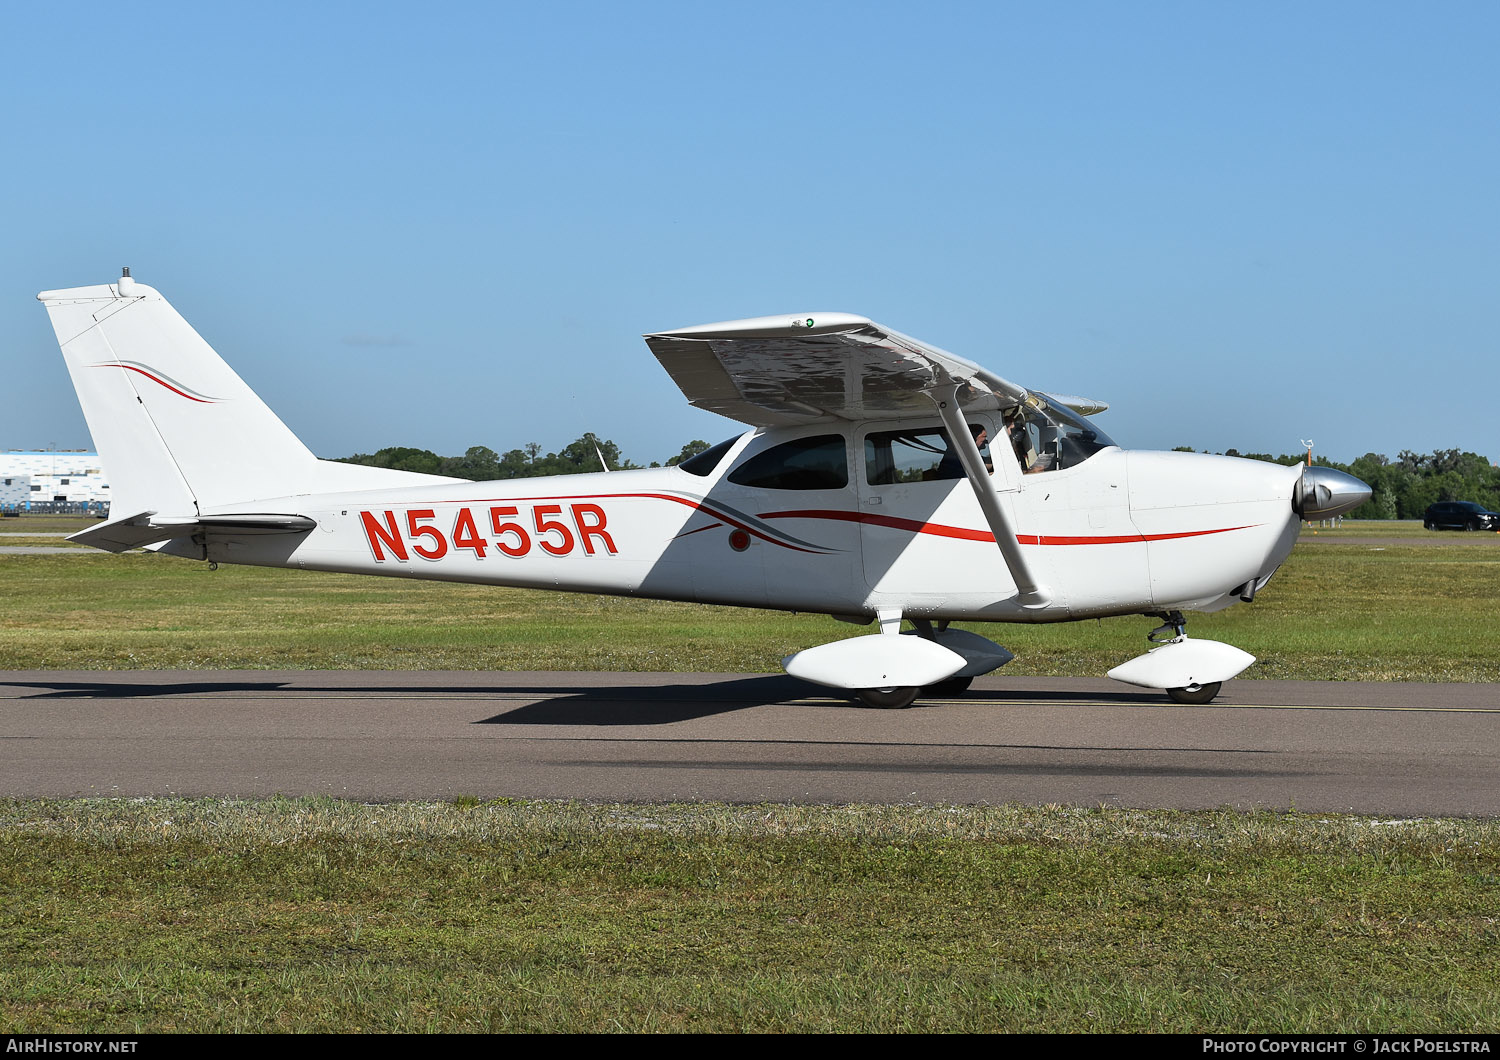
(820, 462)
(920, 454)
(1051, 437)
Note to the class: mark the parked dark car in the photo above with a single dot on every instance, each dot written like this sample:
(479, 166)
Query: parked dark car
(1460, 515)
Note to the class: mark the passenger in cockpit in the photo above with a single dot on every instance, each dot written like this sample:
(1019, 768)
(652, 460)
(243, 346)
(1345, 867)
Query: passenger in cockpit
(952, 467)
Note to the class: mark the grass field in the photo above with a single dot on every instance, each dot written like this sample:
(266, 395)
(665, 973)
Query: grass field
(325, 916)
(1397, 611)
(316, 915)
(45, 524)
(1362, 528)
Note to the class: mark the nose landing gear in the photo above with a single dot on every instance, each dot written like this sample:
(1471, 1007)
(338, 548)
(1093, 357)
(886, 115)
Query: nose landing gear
(1174, 628)
(1189, 671)
(1172, 631)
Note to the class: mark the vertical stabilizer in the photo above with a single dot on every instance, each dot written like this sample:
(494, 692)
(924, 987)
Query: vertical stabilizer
(178, 432)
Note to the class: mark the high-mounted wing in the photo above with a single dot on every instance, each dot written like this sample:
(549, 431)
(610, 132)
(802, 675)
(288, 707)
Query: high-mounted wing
(773, 371)
(1081, 405)
(777, 371)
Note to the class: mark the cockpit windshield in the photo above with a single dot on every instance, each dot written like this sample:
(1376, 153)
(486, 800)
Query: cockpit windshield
(1049, 436)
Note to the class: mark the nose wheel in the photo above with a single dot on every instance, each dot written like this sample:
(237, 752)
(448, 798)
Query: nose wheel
(887, 698)
(1187, 669)
(1195, 694)
(1174, 629)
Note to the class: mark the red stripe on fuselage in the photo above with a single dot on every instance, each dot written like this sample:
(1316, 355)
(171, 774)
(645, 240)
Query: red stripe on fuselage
(916, 526)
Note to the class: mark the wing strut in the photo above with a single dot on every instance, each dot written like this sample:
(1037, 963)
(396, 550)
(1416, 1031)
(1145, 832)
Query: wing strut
(1031, 592)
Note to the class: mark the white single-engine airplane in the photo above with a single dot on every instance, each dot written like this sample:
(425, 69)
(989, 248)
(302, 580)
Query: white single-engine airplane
(883, 479)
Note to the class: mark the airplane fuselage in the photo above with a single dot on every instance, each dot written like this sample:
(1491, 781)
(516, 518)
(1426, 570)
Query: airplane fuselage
(1122, 532)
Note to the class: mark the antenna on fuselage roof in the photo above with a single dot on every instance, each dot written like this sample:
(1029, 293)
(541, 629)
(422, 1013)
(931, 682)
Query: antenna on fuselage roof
(1307, 442)
(602, 462)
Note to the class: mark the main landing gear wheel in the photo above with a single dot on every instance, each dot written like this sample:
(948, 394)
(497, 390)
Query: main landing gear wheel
(948, 689)
(1195, 694)
(888, 698)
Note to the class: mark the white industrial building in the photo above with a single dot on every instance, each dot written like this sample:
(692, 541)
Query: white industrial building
(15, 492)
(49, 477)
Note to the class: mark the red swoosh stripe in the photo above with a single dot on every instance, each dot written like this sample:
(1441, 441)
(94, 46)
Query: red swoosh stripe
(963, 534)
(1043, 539)
(159, 382)
(914, 525)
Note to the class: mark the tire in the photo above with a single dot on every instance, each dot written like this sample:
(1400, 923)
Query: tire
(1428, 526)
(1195, 694)
(888, 698)
(948, 689)
(1472, 524)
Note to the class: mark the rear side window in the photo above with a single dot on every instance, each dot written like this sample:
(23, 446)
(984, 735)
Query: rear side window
(704, 463)
(817, 463)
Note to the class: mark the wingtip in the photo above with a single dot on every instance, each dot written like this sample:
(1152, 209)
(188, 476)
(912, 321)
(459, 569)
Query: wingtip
(767, 327)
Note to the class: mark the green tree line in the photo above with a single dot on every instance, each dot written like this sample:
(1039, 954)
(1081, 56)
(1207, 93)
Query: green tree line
(1401, 488)
(481, 464)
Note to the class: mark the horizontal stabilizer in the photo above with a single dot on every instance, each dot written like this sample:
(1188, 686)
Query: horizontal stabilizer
(147, 528)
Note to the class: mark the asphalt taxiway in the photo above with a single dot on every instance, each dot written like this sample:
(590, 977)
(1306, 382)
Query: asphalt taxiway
(1390, 749)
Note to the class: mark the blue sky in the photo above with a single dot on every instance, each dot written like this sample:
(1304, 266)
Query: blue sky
(448, 225)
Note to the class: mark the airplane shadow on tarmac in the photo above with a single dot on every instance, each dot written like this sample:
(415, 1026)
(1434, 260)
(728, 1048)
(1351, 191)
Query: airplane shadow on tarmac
(561, 703)
(557, 703)
(668, 703)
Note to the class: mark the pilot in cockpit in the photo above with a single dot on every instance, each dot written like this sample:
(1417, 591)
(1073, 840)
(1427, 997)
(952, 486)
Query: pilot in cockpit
(1020, 429)
(1020, 439)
